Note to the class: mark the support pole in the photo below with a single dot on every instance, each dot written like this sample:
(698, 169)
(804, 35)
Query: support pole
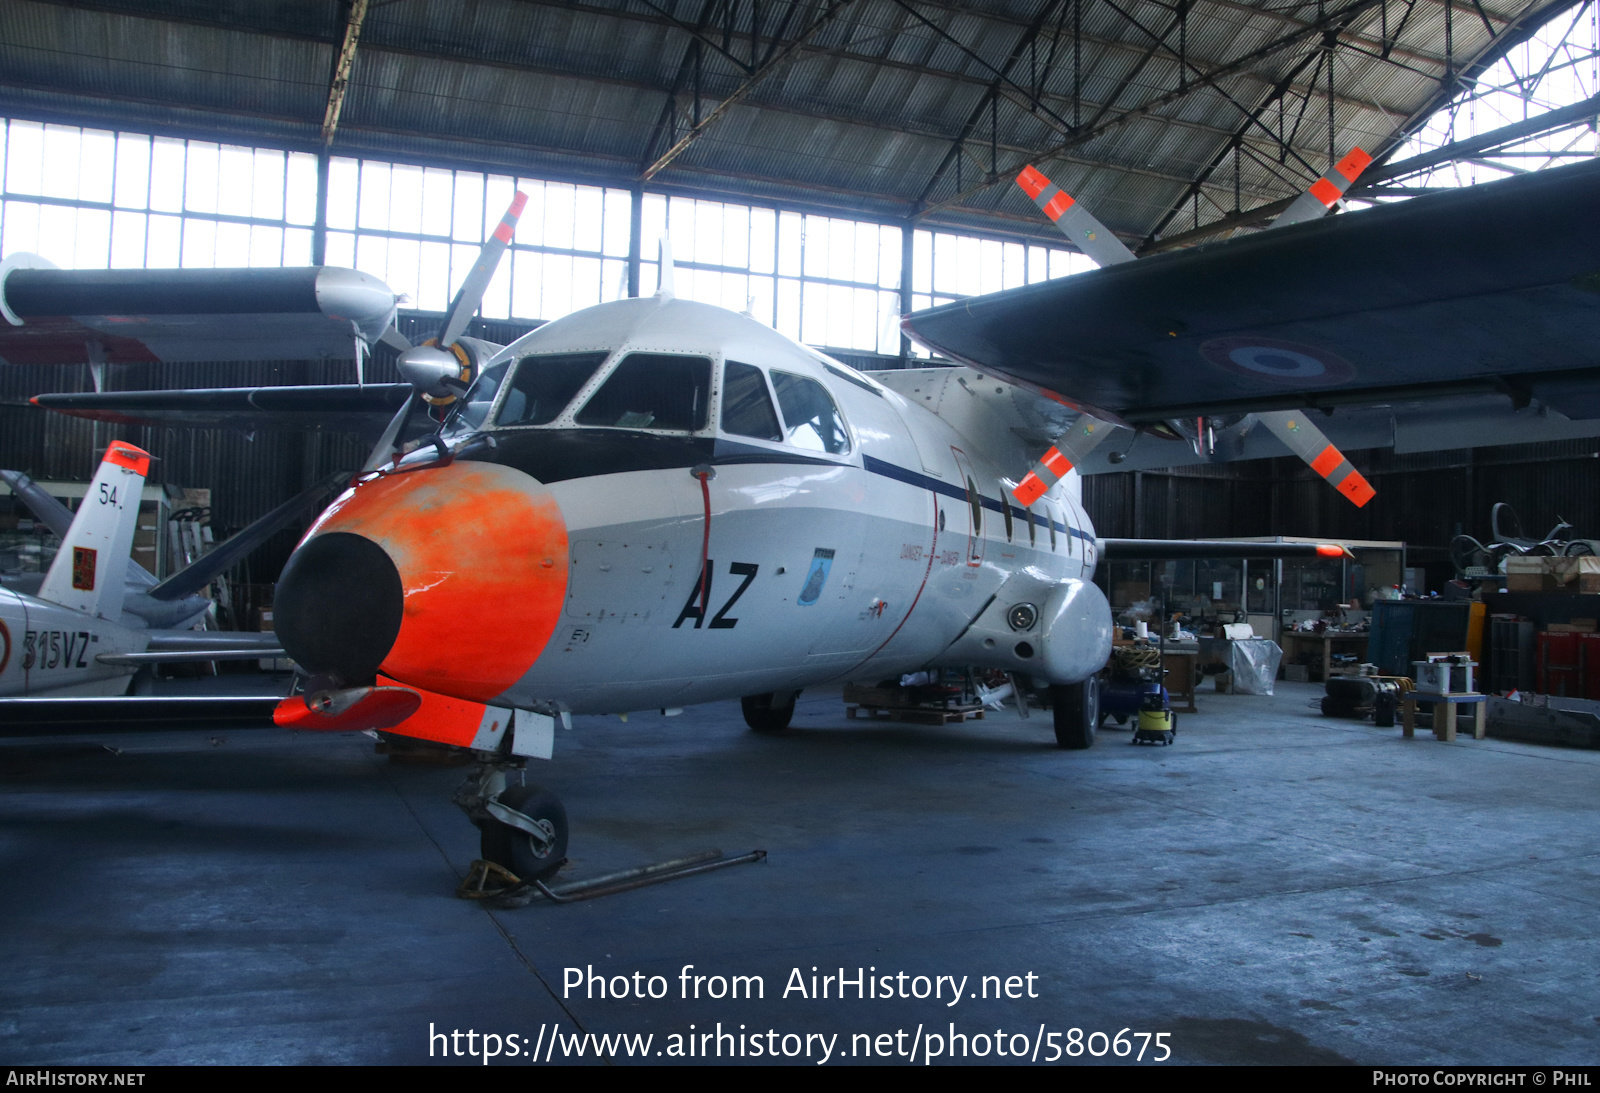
(908, 233)
(635, 227)
(319, 228)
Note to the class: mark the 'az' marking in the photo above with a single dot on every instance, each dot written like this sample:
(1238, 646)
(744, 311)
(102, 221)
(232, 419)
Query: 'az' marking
(747, 570)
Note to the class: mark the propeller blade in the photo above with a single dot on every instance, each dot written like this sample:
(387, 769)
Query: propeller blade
(203, 570)
(1068, 451)
(1308, 442)
(1325, 191)
(1091, 237)
(1076, 223)
(395, 340)
(387, 447)
(477, 282)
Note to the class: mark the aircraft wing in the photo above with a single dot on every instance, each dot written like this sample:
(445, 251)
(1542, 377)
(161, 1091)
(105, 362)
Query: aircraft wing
(1490, 290)
(123, 316)
(340, 407)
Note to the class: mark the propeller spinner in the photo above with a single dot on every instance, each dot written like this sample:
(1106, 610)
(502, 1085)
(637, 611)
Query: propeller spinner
(440, 369)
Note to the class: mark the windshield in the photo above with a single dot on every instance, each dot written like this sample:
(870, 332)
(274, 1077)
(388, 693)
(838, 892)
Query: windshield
(542, 386)
(652, 391)
(471, 410)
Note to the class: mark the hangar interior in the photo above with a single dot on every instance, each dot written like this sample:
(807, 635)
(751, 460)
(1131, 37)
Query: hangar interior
(827, 167)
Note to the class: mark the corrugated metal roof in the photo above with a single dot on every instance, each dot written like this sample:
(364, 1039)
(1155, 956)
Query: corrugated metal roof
(864, 115)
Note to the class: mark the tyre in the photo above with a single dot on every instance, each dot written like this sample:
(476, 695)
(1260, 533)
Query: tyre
(770, 712)
(1076, 709)
(514, 848)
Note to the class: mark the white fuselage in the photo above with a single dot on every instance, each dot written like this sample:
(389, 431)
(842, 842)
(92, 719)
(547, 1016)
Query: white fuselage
(858, 564)
(47, 650)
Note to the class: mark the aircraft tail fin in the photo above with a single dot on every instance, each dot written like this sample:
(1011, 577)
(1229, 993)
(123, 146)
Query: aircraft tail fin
(89, 573)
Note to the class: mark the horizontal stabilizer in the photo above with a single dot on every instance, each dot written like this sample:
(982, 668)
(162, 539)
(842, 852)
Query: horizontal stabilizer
(193, 655)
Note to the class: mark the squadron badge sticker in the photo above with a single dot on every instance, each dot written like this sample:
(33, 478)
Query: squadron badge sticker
(816, 577)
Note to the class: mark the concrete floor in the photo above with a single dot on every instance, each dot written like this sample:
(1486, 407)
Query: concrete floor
(1276, 888)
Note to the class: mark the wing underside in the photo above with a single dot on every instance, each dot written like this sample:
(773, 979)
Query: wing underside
(130, 316)
(1490, 291)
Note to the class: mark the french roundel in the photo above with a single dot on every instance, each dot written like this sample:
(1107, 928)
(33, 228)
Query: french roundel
(1284, 362)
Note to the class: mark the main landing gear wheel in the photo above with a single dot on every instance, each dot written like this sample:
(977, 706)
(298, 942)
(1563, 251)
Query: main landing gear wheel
(1076, 708)
(770, 712)
(529, 858)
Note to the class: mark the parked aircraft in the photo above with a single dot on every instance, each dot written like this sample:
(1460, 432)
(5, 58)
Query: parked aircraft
(654, 502)
(97, 616)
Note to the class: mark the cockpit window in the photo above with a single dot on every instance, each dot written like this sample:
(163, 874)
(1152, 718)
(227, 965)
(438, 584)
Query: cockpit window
(812, 419)
(746, 406)
(652, 391)
(542, 386)
(474, 408)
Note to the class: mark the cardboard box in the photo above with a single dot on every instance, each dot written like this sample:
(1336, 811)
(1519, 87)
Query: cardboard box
(1571, 575)
(1575, 575)
(1526, 575)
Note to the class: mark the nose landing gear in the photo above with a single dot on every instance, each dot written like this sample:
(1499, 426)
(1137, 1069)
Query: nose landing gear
(523, 828)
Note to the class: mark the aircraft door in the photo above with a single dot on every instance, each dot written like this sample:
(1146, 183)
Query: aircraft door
(976, 540)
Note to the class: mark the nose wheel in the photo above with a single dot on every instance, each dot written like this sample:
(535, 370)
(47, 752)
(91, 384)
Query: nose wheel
(523, 828)
(532, 842)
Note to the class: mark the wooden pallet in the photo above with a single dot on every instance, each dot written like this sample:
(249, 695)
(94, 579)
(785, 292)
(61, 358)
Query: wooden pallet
(921, 715)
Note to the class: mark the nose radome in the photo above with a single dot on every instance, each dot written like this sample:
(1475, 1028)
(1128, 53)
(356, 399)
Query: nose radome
(449, 578)
(338, 606)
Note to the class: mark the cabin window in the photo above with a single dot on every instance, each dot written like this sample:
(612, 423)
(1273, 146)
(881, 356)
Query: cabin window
(1005, 511)
(811, 418)
(1050, 518)
(652, 391)
(544, 384)
(1033, 532)
(746, 406)
(975, 499)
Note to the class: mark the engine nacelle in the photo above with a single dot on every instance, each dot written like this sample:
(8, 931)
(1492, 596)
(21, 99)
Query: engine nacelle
(1056, 631)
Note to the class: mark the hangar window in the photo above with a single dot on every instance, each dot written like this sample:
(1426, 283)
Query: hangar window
(543, 385)
(811, 418)
(652, 391)
(746, 406)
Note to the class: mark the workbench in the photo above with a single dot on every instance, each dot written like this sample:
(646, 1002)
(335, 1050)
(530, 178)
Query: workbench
(1327, 640)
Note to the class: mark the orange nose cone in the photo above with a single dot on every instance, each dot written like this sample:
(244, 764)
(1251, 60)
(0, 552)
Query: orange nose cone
(481, 550)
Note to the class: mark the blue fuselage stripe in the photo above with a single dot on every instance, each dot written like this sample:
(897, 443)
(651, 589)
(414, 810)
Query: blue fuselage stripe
(922, 481)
